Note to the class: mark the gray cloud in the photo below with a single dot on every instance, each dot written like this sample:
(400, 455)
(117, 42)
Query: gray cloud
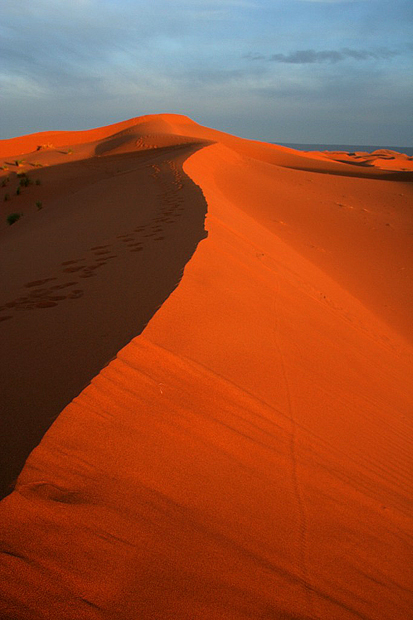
(306, 57)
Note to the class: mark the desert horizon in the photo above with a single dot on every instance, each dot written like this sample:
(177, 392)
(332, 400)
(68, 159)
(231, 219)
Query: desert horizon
(206, 383)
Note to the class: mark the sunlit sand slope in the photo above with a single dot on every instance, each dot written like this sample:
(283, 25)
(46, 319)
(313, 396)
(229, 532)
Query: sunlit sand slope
(249, 455)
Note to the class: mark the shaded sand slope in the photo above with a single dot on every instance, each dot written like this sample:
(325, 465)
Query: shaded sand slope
(84, 275)
(249, 454)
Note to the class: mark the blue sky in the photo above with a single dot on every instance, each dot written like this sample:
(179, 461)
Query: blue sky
(317, 71)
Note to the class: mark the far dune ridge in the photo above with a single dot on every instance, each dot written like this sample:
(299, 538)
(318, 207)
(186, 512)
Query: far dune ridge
(206, 383)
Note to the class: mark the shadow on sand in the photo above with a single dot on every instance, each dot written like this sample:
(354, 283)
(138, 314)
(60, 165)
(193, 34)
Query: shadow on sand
(144, 219)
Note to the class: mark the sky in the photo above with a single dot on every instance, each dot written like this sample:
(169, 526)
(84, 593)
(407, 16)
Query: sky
(304, 71)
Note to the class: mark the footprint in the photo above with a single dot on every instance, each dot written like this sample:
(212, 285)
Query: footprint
(72, 269)
(41, 292)
(55, 298)
(137, 250)
(100, 247)
(75, 294)
(22, 299)
(59, 286)
(46, 304)
(159, 238)
(38, 282)
(101, 252)
(71, 262)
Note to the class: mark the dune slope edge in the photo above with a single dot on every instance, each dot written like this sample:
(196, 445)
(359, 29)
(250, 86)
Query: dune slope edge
(249, 454)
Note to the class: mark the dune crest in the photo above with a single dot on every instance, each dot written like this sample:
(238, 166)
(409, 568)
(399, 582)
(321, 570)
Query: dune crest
(248, 455)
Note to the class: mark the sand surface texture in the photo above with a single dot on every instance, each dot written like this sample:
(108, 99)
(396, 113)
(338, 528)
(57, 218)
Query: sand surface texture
(216, 335)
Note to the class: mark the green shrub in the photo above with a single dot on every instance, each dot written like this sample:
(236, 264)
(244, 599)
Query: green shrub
(25, 181)
(39, 204)
(38, 182)
(13, 217)
(18, 190)
(6, 197)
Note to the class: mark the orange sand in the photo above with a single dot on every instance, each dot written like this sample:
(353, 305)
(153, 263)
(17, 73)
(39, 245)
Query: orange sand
(249, 454)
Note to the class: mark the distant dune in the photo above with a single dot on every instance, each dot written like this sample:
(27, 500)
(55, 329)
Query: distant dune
(207, 363)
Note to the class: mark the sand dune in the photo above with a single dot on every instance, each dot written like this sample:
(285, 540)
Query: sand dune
(248, 452)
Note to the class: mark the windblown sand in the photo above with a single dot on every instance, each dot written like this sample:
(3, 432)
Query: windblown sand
(207, 363)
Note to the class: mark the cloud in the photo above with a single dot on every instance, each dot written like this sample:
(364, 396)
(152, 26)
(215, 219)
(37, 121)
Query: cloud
(306, 57)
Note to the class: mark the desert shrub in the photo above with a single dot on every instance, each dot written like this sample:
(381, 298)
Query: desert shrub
(13, 217)
(18, 191)
(25, 181)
